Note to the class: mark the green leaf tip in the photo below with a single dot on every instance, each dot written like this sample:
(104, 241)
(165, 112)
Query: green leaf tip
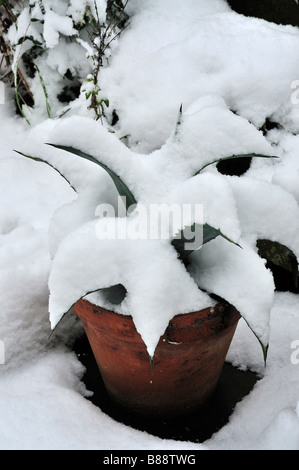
(178, 122)
(180, 241)
(41, 160)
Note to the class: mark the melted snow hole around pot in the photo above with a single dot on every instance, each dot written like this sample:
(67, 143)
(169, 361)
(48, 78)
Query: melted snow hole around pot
(233, 385)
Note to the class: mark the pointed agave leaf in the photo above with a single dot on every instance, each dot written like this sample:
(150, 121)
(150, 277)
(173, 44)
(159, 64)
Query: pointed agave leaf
(69, 310)
(264, 347)
(121, 187)
(47, 163)
(280, 255)
(180, 241)
(178, 122)
(232, 157)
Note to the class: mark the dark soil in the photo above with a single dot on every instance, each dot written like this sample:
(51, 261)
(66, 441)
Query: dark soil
(276, 11)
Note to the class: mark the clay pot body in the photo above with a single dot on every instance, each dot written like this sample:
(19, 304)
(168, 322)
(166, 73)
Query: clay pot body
(187, 363)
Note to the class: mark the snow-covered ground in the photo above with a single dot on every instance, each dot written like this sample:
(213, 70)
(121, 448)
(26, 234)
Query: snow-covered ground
(173, 53)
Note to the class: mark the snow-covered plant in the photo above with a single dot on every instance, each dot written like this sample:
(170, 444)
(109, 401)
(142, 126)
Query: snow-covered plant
(161, 277)
(53, 47)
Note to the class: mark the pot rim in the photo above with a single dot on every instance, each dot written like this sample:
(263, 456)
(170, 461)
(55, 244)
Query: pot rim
(221, 303)
(177, 322)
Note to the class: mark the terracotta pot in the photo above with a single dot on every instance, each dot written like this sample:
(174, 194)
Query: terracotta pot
(187, 364)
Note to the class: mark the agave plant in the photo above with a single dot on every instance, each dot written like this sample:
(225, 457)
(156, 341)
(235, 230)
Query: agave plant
(164, 277)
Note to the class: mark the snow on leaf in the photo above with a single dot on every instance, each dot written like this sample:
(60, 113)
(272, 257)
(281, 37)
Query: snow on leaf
(141, 266)
(262, 212)
(157, 283)
(41, 160)
(234, 157)
(180, 242)
(241, 278)
(120, 185)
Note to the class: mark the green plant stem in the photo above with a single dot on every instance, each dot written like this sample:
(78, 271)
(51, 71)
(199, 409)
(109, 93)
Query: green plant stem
(48, 106)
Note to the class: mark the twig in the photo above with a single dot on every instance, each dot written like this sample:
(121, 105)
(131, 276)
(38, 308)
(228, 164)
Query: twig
(19, 72)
